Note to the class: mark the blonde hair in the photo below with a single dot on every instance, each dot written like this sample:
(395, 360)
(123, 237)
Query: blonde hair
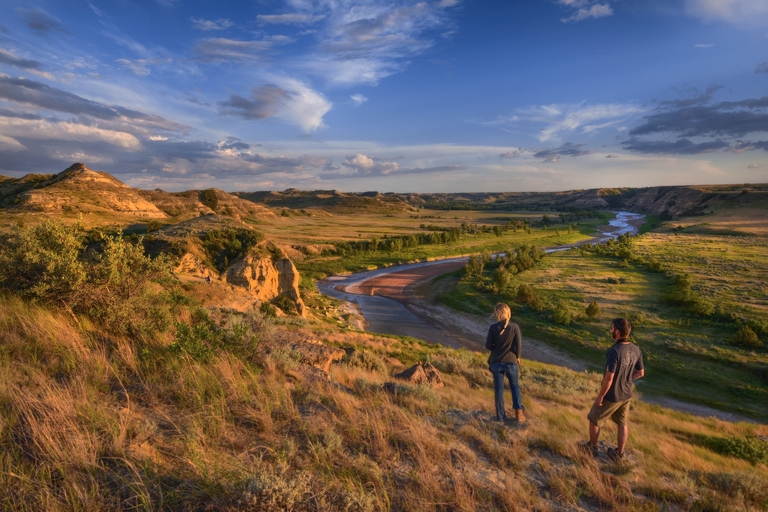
(502, 312)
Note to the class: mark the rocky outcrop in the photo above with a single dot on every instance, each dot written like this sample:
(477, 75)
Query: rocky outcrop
(266, 278)
(192, 264)
(422, 373)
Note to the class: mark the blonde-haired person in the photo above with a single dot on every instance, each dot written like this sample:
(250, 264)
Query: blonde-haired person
(505, 343)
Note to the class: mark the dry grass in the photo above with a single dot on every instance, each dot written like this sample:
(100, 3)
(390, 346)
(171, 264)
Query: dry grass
(89, 422)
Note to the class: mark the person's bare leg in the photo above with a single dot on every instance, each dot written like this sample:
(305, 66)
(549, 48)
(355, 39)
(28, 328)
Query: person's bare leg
(594, 433)
(622, 437)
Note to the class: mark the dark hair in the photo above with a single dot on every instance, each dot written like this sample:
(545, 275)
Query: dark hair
(622, 325)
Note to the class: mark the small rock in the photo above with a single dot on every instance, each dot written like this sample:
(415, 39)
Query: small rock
(422, 373)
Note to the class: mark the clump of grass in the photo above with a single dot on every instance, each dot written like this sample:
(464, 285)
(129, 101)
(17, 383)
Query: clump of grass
(752, 449)
(364, 360)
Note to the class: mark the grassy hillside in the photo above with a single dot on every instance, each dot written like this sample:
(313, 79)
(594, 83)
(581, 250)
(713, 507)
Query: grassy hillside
(94, 421)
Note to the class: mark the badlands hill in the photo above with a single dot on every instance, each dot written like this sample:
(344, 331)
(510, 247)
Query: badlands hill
(80, 190)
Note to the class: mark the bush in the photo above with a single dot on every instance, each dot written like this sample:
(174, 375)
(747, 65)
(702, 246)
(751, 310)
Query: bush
(223, 246)
(561, 314)
(526, 294)
(474, 266)
(44, 262)
(209, 199)
(593, 310)
(154, 225)
(638, 318)
(747, 338)
(285, 304)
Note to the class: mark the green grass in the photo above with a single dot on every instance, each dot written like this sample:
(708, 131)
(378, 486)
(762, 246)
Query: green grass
(688, 357)
(318, 267)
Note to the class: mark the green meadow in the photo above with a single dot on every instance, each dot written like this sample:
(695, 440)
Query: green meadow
(695, 335)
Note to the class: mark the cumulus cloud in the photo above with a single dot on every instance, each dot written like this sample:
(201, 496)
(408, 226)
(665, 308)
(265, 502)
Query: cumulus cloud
(289, 100)
(594, 11)
(41, 22)
(209, 25)
(511, 154)
(358, 99)
(612, 155)
(367, 166)
(220, 49)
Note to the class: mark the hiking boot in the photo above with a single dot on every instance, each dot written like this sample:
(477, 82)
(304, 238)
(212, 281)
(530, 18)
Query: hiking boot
(614, 454)
(587, 447)
(496, 418)
(519, 416)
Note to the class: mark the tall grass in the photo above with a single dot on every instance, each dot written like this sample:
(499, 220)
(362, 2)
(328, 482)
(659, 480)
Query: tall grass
(93, 421)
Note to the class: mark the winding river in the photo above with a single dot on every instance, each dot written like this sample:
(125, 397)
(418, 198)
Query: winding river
(390, 316)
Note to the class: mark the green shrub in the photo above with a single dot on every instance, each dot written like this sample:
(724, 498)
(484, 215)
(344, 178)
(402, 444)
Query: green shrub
(223, 246)
(593, 310)
(44, 262)
(209, 199)
(285, 304)
(154, 225)
(268, 309)
(638, 318)
(561, 314)
(747, 338)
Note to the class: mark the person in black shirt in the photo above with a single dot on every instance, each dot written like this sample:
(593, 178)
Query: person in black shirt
(505, 343)
(624, 364)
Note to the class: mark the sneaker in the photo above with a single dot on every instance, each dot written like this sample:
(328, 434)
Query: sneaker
(614, 454)
(586, 446)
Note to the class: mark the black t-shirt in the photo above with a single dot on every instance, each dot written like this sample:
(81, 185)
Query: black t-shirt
(623, 359)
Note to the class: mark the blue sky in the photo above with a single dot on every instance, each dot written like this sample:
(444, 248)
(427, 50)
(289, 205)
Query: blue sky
(406, 96)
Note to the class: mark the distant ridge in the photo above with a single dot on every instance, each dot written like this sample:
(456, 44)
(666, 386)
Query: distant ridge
(79, 189)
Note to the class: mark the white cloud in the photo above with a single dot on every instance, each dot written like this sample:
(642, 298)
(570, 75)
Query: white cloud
(10, 144)
(753, 166)
(208, 25)
(594, 11)
(560, 119)
(358, 99)
(66, 131)
(303, 106)
(741, 12)
(703, 45)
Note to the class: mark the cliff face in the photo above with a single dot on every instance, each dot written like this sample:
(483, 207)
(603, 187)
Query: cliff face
(669, 202)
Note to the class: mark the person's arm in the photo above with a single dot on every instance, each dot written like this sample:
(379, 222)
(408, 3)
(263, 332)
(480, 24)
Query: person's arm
(489, 339)
(639, 368)
(638, 374)
(604, 387)
(517, 344)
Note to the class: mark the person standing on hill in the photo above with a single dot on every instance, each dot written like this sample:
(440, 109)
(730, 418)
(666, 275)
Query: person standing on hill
(624, 364)
(505, 343)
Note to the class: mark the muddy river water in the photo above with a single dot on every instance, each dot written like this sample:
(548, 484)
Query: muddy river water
(388, 316)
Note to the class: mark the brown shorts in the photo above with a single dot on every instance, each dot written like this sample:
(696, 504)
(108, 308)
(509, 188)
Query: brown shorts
(616, 411)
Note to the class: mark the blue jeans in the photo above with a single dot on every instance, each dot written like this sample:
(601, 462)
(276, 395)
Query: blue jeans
(512, 371)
